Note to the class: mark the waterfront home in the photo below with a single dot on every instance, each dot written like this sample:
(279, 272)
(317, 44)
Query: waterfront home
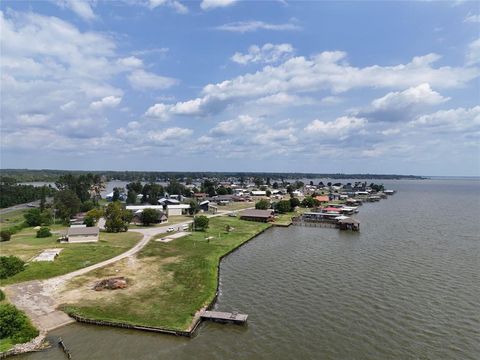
(257, 215)
(82, 234)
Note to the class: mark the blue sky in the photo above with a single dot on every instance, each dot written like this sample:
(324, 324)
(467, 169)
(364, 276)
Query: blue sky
(222, 85)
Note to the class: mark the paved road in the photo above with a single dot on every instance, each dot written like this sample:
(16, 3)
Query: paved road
(23, 206)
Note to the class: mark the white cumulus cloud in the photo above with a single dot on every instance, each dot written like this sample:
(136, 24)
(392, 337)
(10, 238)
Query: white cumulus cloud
(143, 80)
(106, 102)
(268, 53)
(212, 4)
(251, 26)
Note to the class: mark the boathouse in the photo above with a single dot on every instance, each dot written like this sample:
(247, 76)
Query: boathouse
(257, 215)
(349, 224)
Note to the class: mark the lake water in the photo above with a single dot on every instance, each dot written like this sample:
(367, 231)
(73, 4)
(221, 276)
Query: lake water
(407, 286)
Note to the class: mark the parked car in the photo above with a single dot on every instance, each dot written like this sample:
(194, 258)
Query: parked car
(170, 229)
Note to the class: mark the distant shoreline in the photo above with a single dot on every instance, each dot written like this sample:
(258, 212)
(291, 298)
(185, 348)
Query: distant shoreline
(32, 175)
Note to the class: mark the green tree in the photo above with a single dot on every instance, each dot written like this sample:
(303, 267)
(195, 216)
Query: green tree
(89, 221)
(294, 202)
(222, 190)
(283, 206)
(194, 207)
(263, 204)
(308, 202)
(67, 204)
(268, 193)
(131, 197)
(201, 223)
(116, 217)
(135, 186)
(33, 217)
(149, 216)
(43, 232)
(275, 185)
(10, 265)
(116, 194)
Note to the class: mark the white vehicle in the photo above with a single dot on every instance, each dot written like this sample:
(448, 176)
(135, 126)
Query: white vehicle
(185, 227)
(170, 229)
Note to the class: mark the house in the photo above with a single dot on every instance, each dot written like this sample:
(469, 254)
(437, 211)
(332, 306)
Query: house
(165, 201)
(82, 234)
(322, 198)
(258, 193)
(204, 205)
(200, 196)
(142, 207)
(257, 215)
(176, 210)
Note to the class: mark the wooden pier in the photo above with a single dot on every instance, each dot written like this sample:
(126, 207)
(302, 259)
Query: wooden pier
(225, 317)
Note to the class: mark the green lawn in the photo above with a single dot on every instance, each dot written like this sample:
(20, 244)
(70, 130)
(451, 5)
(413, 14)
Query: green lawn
(184, 278)
(25, 245)
(12, 218)
(236, 206)
(286, 219)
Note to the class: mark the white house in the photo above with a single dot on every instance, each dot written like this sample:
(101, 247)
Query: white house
(258, 193)
(82, 234)
(143, 207)
(175, 210)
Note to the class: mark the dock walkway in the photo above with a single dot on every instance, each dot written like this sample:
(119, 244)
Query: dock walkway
(225, 317)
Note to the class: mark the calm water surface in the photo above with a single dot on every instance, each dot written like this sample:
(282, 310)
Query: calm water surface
(406, 287)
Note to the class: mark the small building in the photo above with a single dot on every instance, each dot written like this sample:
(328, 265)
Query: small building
(258, 193)
(176, 210)
(322, 198)
(204, 205)
(257, 215)
(82, 234)
(349, 224)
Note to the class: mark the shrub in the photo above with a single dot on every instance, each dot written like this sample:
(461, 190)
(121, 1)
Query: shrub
(15, 325)
(200, 223)
(9, 266)
(89, 221)
(5, 235)
(262, 204)
(43, 232)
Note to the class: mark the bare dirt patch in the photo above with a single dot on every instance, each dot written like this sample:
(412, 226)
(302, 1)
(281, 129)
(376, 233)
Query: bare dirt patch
(140, 274)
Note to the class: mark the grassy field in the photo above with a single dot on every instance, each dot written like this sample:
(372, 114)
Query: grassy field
(12, 218)
(25, 245)
(286, 219)
(235, 206)
(168, 282)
